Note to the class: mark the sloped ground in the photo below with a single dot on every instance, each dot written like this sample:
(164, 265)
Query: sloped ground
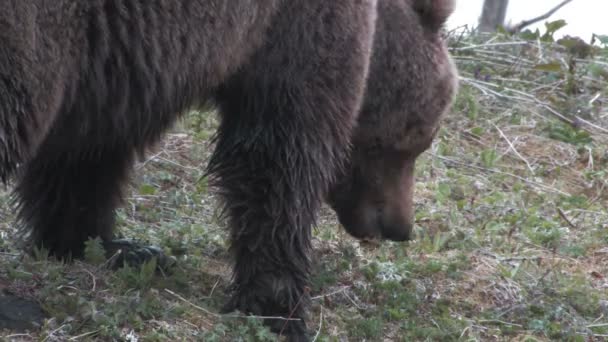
(511, 237)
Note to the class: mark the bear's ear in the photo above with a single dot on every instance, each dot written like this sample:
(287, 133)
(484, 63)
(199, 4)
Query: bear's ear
(434, 13)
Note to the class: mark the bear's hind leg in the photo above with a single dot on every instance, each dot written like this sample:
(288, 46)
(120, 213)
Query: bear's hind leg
(67, 196)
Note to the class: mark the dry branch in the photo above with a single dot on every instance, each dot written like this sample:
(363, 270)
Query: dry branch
(525, 23)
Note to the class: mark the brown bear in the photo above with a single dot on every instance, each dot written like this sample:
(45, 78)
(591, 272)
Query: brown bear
(85, 86)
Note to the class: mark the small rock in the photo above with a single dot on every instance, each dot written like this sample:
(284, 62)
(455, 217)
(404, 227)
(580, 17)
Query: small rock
(17, 314)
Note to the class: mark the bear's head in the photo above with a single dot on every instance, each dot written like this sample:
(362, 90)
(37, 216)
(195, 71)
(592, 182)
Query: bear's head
(412, 83)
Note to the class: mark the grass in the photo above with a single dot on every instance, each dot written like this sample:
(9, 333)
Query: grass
(511, 227)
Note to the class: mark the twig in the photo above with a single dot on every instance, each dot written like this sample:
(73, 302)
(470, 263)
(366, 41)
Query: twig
(590, 162)
(512, 147)
(464, 331)
(597, 96)
(177, 164)
(508, 259)
(320, 326)
(524, 96)
(214, 286)
(194, 325)
(520, 26)
(472, 47)
(226, 316)
(579, 119)
(576, 122)
(293, 311)
(142, 164)
(499, 322)
(565, 218)
(542, 186)
(342, 289)
(16, 335)
(93, 278)
(84, 335)
(352, 300)
(52, 333)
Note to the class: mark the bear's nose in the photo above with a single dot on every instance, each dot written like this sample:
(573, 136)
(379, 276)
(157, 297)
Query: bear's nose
(397, 231)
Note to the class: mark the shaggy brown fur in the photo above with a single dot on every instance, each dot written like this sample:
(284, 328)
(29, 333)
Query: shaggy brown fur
(86, 85)
(411, 84)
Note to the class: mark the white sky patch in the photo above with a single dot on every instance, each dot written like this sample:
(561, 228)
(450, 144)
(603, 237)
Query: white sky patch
(584, 17)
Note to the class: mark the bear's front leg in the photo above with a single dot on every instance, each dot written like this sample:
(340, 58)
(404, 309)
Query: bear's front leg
(287, 120)
(276, 299)
(270, 208)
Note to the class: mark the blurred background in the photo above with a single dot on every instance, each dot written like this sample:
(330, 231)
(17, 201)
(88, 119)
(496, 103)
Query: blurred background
(584, 17)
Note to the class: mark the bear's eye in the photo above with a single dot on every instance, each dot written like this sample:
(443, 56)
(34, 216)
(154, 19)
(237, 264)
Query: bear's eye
(416, 140)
